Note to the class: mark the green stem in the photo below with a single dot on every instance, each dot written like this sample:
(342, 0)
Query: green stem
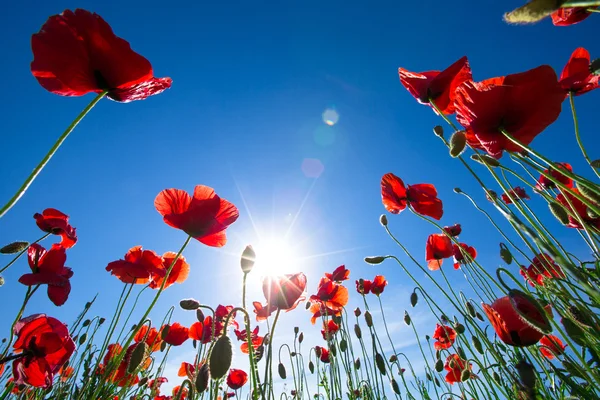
(269, 360)
(28, 296)
(22, 252)
(49, 155)
(577, 134)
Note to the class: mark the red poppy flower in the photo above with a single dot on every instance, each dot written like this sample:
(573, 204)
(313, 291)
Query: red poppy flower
(523, 104)
(459, 257)
(554, 172)
(262, 312)
(510, 327)
(139, 266)
(183, 390)
(284, 292)
(453, 230)
(236, 378)
(179, 272)
(155, 384)
(570, 202)
(340, 274)
(65, 373)
(176, 335)
(421, 197)
(379, 283)
(331, 294)
(322, 353)
(363, 286)
(439, 246)
(150, 336)
(76, 53)
(329, 329)
(455, 367)
(187, 369)
(570, 16)
(551, 346)
(517, 192)
(576, 77)
(257, 340)
(47, 346)
(542, 267)
(221, 313)
(205, 216)
(122, 377)
(436, 86)
(444, 336)
(319, 309)
(57, 223)
(48, 268)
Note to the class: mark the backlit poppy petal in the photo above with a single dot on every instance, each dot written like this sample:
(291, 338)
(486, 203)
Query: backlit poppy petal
(570, 15)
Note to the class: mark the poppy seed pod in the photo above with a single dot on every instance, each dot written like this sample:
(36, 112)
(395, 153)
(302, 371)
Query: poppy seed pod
(220, 358)
(248, 258)
(14, 247)
(301, 337)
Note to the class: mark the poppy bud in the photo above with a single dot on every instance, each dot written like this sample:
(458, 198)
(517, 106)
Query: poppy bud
(311, 367)
(527, 374)
(137, 356)
(393, 358)
(461, 352)
(458, 143)
(374, 260)
(380, 362)
(459, 328)
(82, 339)
(428, 376)
(559, 212)
(202, 378)
(357, 312)
(164, 332)
(439, 365)
(357, 363)
(466, 374)
(357, 331)
(395, 386)
(496, 377)
(505, 254)
(480, 317)
(199, 315)
(248, 258)
(406, 318)
(14, 247)
(438, 131)
(163, 346)
(101, 321)
(444, 319)
(368, 319)
(477, 344)
(414, 299)
(281, 370)
(427, 337)
(333, 349)
(308, 304)
(470, 309)
(596, 163)
(143, 381)
(220, 358)
(585, 191)
(533, 11)
(301, 337)
(189, 304)
(296, 330)
(86, 323)
(457, 190)
(343, 345)
(259, 352)
(485, 160)
(383, 220)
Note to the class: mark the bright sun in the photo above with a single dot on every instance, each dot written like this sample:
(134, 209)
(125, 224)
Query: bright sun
(274, 256)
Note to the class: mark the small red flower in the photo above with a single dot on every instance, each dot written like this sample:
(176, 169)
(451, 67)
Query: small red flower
(455, 367)
(176, 335)
(459, 257)
(436, 86)
(48, 268)
(57, 223)
(518, 193)
(178, 395)
(47, 346)
(329, 329)
(453, 230)
(570, 16)
(318, 309)
(257, 340)
(542, 267)
(554, 172)
(76, 53)
(551, 346)
(363, 286)
(421, 197)
(262, 312)
(577, 207)
(322, 353)
(331, 294)
(439, 246)
(65, 373)
(444, 336)
(510, 327)
(205, 216)
(523, 104)
(150, 336)
(236, 378)
(284, 292)
(576, 77)
(179, 272)
(379, 283)
(340, 274)
(139, 266)
(186, 369)
(203, 331)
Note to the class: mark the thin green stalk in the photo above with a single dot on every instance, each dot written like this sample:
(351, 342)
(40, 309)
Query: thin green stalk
(28, 296)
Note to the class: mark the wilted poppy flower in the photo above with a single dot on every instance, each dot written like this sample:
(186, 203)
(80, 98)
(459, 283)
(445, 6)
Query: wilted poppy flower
(178, 274)
(236, 378)
(48, 268)
(379, 283)
(331, 294)
(176, 335)
(329, 329)
(76, 53)
(576, 77)
(444, 336)
(363, 286)
(518, 193)
(522, 104)
(57, 223)
(570, 16)
(455, 367)
(139, 266)
(340, 274)
(439, 246)
(421, 197)
(459, 257)
(577, 207)
(453, 230)
(436, 86)
(46, 346)
(284, 292)
(150, 336)
(322, 353)
(511, 327)
(555, 172)
(542, 267)
(205, 216)
(551, 346)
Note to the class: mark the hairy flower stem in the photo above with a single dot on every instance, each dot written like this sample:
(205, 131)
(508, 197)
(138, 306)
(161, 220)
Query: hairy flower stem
(49, 155)
(268, 377)
(577, 134)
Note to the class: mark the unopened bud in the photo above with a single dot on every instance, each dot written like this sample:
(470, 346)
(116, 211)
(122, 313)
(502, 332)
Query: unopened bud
(357, 363)
(505, 254)
(301, 337)
(380, 362)
(383, 220)
(485, 160)
(14, 247)
(438, 131)
(393, 358)
(199, 315)
(357, 331)
(357, 312)
(595, 66)
(248, 258)
(374, 260)
(459, 328)
(414, 299)
(220, 357)
(368, 319)
(458, 143)
(439, 365)
(296, 330)
(281, 370)
(189, 304)
(406, 318)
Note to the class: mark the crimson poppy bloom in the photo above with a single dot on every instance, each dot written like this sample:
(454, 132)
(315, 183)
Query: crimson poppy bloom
(459, 257)
(517, 192)
(576, 77)
(551, 346)
(453, 230)
(262, 312)
(76, 53)
(53, 221)
(340, 274)
(150, 336)
(65, 373)
(205, 216)
(178, 274)
(319, 309)
(435, 86)
(510, 327)
(421, 197)
(329, 329)
(577, 207)
(331, 294)
(323, 354)
(554, 172)
(221, 313)
(256, 340)
(46, 346)
(379, 283)
(363, 286)
(176, 335)
(570, 16)
(444, 336)
(186, 369)
(439, 246)
(542, 267)
(455, 367)
(522, 104)
(176, 392)
(236, 378)
(48, 268)
(139, 266)
(284, 292)
(122, 376)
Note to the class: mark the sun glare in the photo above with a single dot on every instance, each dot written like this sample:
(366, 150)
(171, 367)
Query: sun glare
(274, 257)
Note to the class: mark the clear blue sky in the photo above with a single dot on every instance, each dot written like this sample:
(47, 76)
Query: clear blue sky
(250, 83)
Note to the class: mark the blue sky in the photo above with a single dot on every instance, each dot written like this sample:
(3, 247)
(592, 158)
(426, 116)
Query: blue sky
(251, 81)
